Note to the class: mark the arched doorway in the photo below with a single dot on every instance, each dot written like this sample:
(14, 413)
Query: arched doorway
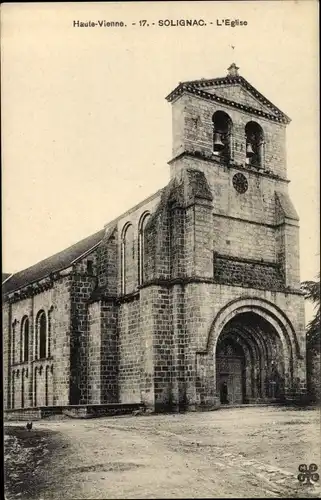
(249, 361)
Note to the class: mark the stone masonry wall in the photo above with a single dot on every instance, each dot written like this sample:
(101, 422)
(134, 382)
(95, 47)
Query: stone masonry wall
(179, 346)
(19, 311)
(163, 344)
(94, 350)
(238, 94)
(102, 353)
(256, 205)
(129, 352)
(107, 262)
(228, 270)
(34, 381)
(147, 383)
(83, 285)
(258, 241)
(251, 225)
(109, 353)
(177, 239)
(6, 343)
(61, 341)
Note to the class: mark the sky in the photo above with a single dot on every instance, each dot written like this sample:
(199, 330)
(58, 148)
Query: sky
(87, 129)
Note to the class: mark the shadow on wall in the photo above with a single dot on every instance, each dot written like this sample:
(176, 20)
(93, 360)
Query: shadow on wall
(74, 391)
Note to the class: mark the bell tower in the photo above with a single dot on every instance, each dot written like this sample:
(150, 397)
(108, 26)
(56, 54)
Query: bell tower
(228, 121)
(235, 136)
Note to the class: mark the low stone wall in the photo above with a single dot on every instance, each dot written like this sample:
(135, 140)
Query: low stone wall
(25, 414)
(79, 411)
(105, 410)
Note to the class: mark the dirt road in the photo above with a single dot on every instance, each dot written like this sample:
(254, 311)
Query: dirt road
(240, 453)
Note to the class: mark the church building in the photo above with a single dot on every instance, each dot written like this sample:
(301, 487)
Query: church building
(189, 300)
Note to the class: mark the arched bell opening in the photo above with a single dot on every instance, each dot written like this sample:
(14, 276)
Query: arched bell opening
(222, 135)
(254, 144)
(249, 361)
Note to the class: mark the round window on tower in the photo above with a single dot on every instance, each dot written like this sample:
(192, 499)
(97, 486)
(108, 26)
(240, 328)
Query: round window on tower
(240, 183)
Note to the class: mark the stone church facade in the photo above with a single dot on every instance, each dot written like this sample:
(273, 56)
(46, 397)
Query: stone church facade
(191, 298)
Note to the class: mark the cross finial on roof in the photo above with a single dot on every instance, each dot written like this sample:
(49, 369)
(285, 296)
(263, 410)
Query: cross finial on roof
(233, 70)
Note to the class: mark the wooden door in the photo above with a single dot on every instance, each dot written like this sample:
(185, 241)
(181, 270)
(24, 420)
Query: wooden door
(229, 380)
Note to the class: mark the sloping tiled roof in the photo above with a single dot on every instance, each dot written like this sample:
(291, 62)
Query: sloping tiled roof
(199, 87)
(56, 262)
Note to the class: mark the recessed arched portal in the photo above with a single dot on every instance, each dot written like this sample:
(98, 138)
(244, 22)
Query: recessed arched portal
(250, 357)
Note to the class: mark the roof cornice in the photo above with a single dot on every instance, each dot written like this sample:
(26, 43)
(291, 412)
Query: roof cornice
(198, 155)
(198, 87)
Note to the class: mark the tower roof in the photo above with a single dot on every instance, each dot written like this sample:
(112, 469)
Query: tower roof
(211, 89)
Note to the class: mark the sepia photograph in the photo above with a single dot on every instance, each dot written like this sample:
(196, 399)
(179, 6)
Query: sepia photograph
(160, 250)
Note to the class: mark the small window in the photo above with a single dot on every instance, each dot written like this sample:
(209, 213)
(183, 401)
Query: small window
(25, 340)
(90, 267)
(42, 332)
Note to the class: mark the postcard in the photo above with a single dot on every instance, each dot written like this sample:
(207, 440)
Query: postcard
(160, 215)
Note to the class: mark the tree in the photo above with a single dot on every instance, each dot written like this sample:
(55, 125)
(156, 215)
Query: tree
(311, 290)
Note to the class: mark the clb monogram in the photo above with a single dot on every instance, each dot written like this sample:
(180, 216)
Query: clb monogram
(308, 475)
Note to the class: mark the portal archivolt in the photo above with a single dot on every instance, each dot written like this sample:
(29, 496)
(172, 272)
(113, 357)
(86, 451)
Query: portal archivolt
(249, 361)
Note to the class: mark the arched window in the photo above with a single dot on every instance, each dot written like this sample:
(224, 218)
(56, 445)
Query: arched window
(50, 319)
(254, 144)
(25, 340)
(141, 246)
(222, 135)
(90, 267)
(42, 333)
(128, 259)
(13, 343)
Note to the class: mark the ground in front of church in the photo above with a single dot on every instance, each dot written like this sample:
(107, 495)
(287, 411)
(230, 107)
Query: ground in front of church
(250, 452)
